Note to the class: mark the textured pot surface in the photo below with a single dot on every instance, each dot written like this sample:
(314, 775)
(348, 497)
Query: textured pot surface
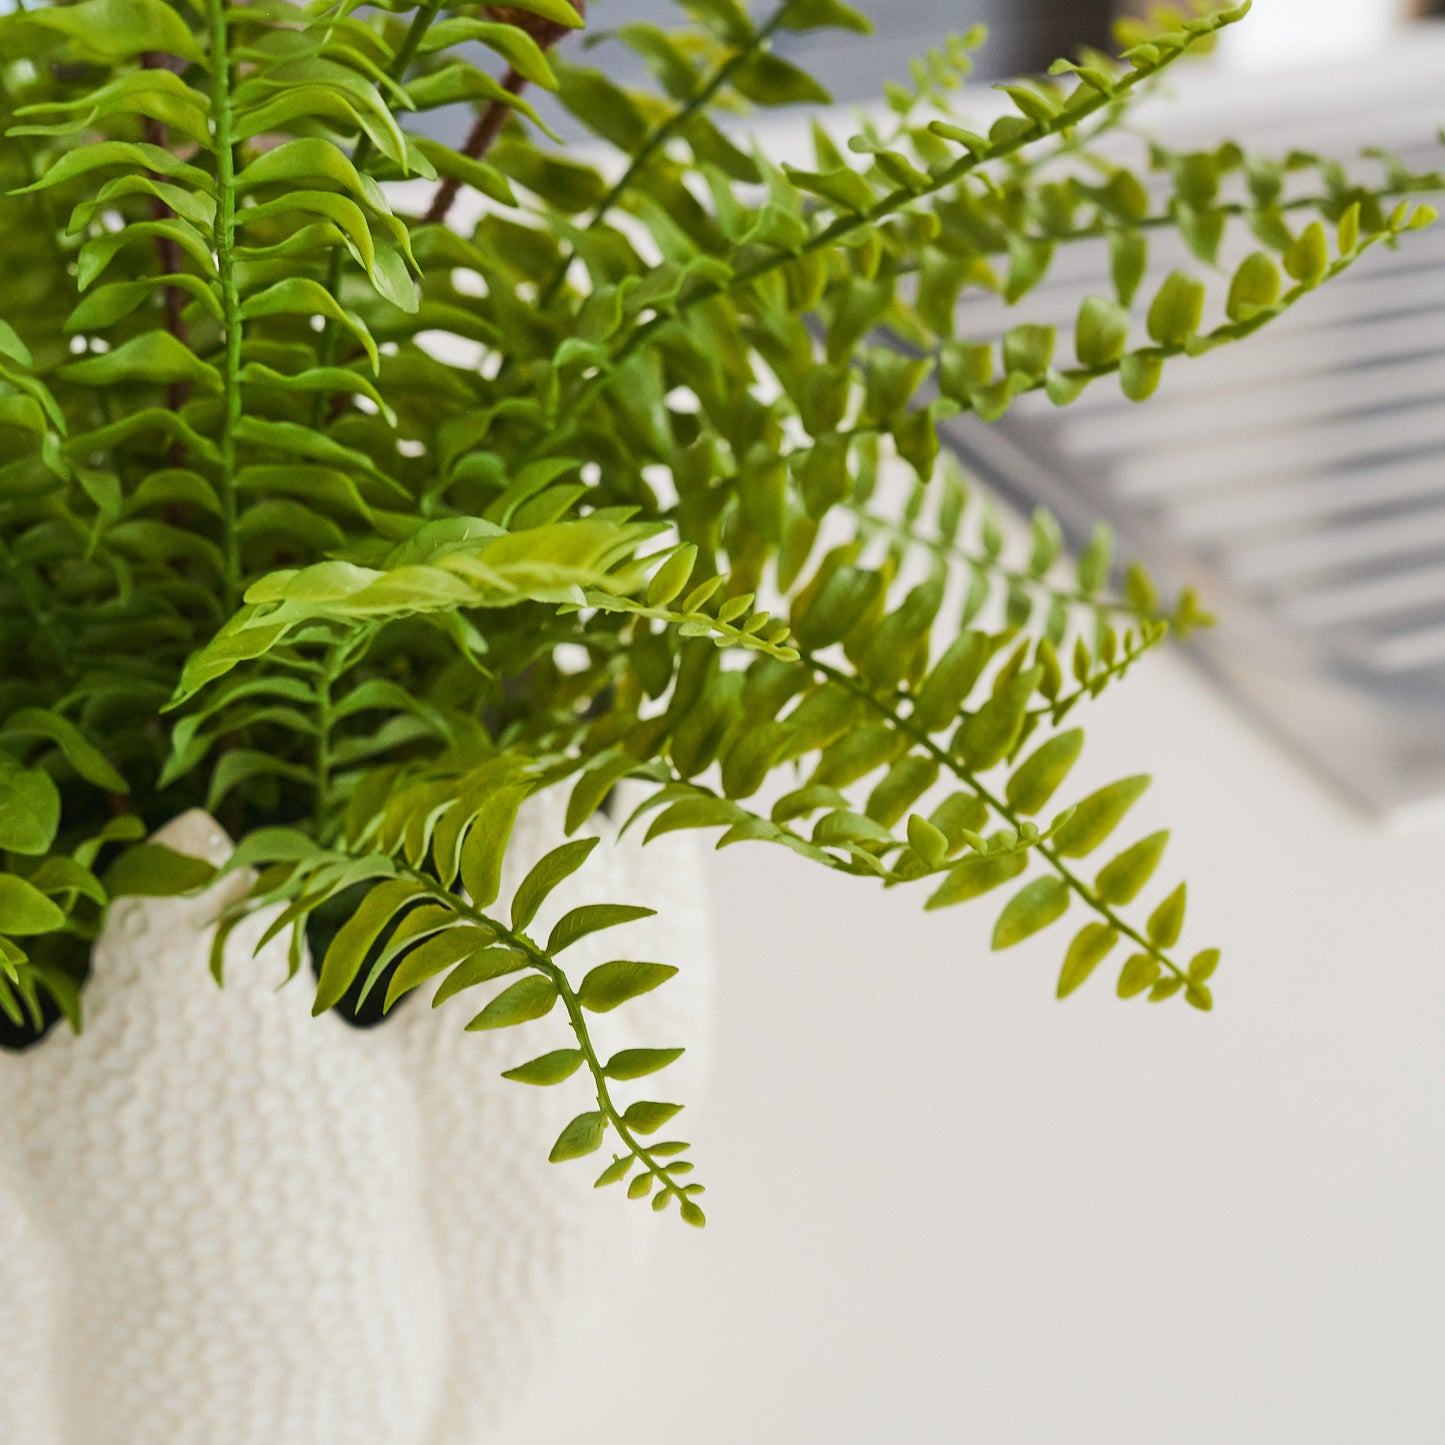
(224, 1222)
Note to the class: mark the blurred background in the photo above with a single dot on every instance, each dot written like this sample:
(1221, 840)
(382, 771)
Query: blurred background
(1023, 35)
(1026, 35)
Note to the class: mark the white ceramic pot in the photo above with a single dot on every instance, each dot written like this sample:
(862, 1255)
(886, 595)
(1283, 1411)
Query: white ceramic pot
(224, 1222)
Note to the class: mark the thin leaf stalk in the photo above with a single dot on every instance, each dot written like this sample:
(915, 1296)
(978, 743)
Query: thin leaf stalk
(541, 962)
(660, 135)
(225, 238)
(875, 525)
(970, 779)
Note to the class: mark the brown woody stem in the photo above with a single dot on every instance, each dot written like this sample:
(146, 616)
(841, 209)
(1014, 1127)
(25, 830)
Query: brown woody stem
(169, 255)
(489, 123)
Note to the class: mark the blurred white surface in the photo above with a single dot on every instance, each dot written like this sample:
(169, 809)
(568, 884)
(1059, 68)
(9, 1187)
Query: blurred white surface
(1306, 32)
(945, 1208)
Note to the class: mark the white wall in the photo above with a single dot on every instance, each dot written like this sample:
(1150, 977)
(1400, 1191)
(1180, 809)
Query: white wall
(1302, 32)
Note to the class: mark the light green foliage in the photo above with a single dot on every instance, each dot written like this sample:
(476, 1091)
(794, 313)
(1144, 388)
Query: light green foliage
(267, 547)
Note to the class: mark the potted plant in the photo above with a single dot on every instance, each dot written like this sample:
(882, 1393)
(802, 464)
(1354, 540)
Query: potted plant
(356, 537)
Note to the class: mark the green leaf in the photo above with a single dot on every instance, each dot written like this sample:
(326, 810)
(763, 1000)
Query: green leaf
(927, 841)
(975, 876)
(486, 842)
(549, 1069)
(1140, 972)
(12, 346)
(669, 579)
(1095, 562)
(558, 10)
(153, 356)
(727, 19)
(842, 186)
(549, 871)
(1177, 309)
(824, 15)
(1120, 880)
(1203, 964)
(24, 909)
(1090, 946)
(483, 178)
(1139, 374)
(151, 870)
(113, 302)
(950, 682)
(637, 1063)
(582, 1136)
(1128, 258)
(1101, 332)
(329, 381)
(1255, 287)
(480, 967)
(341, 210)
(355, 937)
(609, 985)
(1097, 816)
(29, 808)
(436, 955)
(646, 1117)
(131, 154)
(511, 42)
(1028, 348)
(351, 106)
(98, 252)
(640, 1187)
(768, 79)
(990, 734)
(692, 1214)
(591, 918)
(306, 158)
(118, 29)
(1166, 921)
(1032, 908)
(86, 759)
(527, 999)
(1308, 258)
(1038, 778)
(463, 83)
(1028, 264)
(615, 1172)
(192, 206)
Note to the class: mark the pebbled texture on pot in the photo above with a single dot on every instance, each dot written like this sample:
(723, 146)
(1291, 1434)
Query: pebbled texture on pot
(224, 1222)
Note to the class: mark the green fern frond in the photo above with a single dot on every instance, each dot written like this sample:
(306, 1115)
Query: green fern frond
(359, 528)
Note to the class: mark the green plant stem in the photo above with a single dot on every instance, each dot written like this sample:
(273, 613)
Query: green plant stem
(324, 722)
(1095, 682)
(225, 237)
(971, 780)
(1100, 229)
(951, 551)
(660, 135)
(541, 962)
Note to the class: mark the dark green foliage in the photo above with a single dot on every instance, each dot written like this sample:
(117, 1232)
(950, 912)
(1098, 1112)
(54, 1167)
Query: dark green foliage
(360, 530)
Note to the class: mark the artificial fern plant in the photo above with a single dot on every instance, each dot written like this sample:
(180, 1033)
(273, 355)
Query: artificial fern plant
(357, 529)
